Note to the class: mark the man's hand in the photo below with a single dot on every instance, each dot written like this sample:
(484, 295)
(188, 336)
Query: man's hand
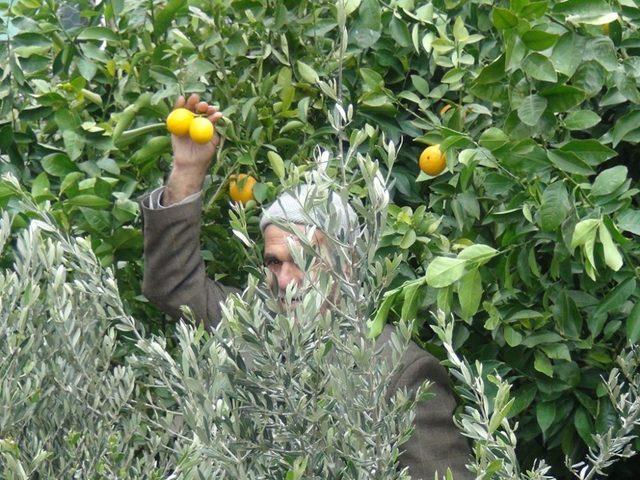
(190, 159)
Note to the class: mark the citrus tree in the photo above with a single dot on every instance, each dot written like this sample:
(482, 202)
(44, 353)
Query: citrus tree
(528, 237)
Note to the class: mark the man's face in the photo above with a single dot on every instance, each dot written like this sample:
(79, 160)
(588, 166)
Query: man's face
(277, 258)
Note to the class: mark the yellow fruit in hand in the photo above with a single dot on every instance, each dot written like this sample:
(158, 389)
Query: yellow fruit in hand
(201, 130)
(179, 121)
(432, 160)
(241, 188)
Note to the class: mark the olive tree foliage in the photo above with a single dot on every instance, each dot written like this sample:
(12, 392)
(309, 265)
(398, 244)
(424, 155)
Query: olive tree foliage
(66, 410)
(272, 392)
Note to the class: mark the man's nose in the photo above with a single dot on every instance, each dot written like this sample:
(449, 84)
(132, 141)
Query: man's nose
(289, 272)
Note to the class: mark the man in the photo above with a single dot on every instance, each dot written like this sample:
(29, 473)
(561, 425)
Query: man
(174, 275)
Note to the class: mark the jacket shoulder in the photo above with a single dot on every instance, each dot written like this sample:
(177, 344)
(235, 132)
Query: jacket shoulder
(413, 356)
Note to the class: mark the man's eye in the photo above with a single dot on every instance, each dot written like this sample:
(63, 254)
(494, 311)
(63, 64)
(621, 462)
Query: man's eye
(271, 262)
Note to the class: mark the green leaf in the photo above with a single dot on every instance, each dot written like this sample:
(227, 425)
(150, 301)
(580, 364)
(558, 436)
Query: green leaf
(163, 74)
(411, 301)
(584, 232)
(540, 67)
(555, 206)
(307, 73)
(512, 336)
(443, 271)
(470, 293)
(73, 144)
(92, 201)
(602, 50)
(377, 324)
(575, 10)
(40, 188)
(531, 109)
(399, 32)
(612, 256)
(583, 424)
(591, 151)
(557, 351)
(366, 29)
(164, 16)
(545, 414)
(350, 6)
(408, 239)
(567, 315)
(563, 97)
(492, 73)
(569, 162)
(99, 220)
(624, 126)
(523, 398)
(460, 32)
(454, 75)
(98, 33)
(590, 77)
(277, 164)
(503, 19)
(70, 180)
(567, 53)
(372, 79)
(581, 120)
(542, 364)
(478, 253)
(629, 221)
(539, 40)
(58, 164)
(420, 84)
(535, 339)
(614, 299)
(633, 324)
(609, 180)
(493, 138)
(87, 68)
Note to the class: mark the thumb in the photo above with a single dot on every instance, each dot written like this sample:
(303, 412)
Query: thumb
(216, 139)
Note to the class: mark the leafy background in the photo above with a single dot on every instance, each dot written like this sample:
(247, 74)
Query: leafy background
(539, 133)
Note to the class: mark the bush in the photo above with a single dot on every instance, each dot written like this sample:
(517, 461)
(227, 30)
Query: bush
(67, 410)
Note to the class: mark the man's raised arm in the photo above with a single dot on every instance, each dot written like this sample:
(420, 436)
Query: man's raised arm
(174, 271)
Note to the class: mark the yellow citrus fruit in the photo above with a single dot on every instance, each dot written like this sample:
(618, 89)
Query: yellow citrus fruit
(432, 160)
(241, 188)
(445, 109)
(201, 130)
(179, 121)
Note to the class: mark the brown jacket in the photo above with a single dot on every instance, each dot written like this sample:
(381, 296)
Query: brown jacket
(174, 275)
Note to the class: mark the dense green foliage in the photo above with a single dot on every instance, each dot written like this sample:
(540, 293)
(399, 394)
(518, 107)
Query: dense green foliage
(539, 138)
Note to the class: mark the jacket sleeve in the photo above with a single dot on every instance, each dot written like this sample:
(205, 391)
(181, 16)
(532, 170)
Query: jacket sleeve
(436, 443)
(174, 271)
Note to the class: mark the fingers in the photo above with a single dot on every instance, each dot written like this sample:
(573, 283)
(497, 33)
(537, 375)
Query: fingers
(193, 100)
(202, 107)
(215, 117)
(195, 105)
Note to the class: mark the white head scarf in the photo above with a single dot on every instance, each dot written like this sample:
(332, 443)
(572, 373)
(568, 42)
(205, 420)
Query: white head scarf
(305, 205)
